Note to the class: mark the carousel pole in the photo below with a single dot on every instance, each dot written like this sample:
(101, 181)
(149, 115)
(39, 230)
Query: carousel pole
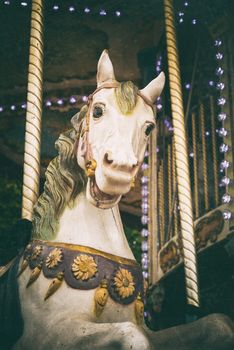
(153, 239)
(31, 177)
(181, 158)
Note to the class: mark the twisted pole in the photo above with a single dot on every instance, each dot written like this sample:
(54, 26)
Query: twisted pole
(31, 176)
(181, 156)
(153, 237)
(214, 152)
(204, 156)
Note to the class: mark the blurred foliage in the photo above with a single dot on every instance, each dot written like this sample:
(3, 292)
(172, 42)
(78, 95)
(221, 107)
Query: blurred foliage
(10, 203)
(134, 240)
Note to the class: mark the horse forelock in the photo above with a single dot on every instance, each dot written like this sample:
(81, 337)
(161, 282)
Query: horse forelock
(126, 96)
(64, 181)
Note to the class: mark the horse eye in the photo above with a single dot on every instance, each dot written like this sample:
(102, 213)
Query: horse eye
(98, 112)
(149, 128)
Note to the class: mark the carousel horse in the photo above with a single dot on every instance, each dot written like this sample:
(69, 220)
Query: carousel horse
(78, 282)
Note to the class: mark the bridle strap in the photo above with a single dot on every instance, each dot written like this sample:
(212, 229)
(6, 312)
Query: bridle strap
(85, 130)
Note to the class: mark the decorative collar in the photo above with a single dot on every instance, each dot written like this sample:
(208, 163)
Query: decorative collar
(84, 268)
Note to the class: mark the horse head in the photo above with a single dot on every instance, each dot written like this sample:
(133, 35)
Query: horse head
(113, 133)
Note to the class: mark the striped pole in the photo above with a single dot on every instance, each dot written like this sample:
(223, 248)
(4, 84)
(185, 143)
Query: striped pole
(181, 157)
(31, 177)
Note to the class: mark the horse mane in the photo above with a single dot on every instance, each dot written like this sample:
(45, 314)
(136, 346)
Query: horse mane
(64, 181)
(126, 96)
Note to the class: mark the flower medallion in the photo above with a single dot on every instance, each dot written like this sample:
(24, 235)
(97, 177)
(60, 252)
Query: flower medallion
(124, 284)
(36, 252)
(84, 267)
(54, 258)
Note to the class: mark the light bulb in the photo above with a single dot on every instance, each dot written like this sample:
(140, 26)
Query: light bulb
(144, 246)
(144, 233)
(224, 165)
(226, 198)
(222, 116)
(222, 132)
(223, 148)
(227, 214)
(225, 181)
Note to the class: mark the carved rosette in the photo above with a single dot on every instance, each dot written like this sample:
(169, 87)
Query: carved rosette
(84, 267)
(36, 252)
(124, 284)
(54, 258)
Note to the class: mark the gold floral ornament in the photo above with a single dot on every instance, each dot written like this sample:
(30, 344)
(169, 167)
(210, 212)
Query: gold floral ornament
(84, 267)
(54, 258)
(36, 252)
(124, 284)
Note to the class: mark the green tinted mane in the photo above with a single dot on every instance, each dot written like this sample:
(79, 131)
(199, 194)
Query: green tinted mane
(64, 181)
(126, 96)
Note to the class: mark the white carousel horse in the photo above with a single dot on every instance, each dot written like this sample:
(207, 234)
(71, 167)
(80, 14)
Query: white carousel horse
(78, 215)
(79, 284)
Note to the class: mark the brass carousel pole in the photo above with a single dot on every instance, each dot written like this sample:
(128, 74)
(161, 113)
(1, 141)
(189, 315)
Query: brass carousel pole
(195, 166)
(182, 164)
(214, 152)
(153, 240)
(31, 177)
(204, 157)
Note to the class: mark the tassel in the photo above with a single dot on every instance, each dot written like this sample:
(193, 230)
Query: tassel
(91, 167)
(132, 185)
(100, 297)
(23, 266)
(55, 284)
(34, 275)
(139, 309)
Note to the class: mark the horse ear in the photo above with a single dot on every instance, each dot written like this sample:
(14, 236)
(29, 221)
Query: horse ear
(154, 88)
(105, 70)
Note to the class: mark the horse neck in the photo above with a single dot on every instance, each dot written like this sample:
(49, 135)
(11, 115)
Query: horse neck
(87, 225)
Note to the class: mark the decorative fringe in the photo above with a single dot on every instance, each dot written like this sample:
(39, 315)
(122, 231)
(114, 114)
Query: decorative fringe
(34, 275)
(100, 297)
(55, 284)
(139, 309)
(23, 266)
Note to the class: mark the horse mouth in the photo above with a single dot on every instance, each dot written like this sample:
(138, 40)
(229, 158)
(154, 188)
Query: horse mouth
(98, 198)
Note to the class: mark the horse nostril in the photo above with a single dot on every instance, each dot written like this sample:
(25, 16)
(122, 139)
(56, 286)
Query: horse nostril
(107, 159)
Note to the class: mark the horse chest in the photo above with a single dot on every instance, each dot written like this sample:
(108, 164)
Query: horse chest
(64, 280)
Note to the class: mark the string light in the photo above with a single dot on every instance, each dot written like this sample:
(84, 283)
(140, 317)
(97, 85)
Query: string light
(227, 214)
(71, 9)
(226, 199)
(222, 132)
(222, 116)
(224, 148)
(144, 219)
(72, 100)
(102, 12)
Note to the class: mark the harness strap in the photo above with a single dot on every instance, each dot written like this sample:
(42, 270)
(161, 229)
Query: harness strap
(85, 130)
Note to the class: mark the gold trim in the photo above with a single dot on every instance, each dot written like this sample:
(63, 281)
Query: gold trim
(89, 250)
